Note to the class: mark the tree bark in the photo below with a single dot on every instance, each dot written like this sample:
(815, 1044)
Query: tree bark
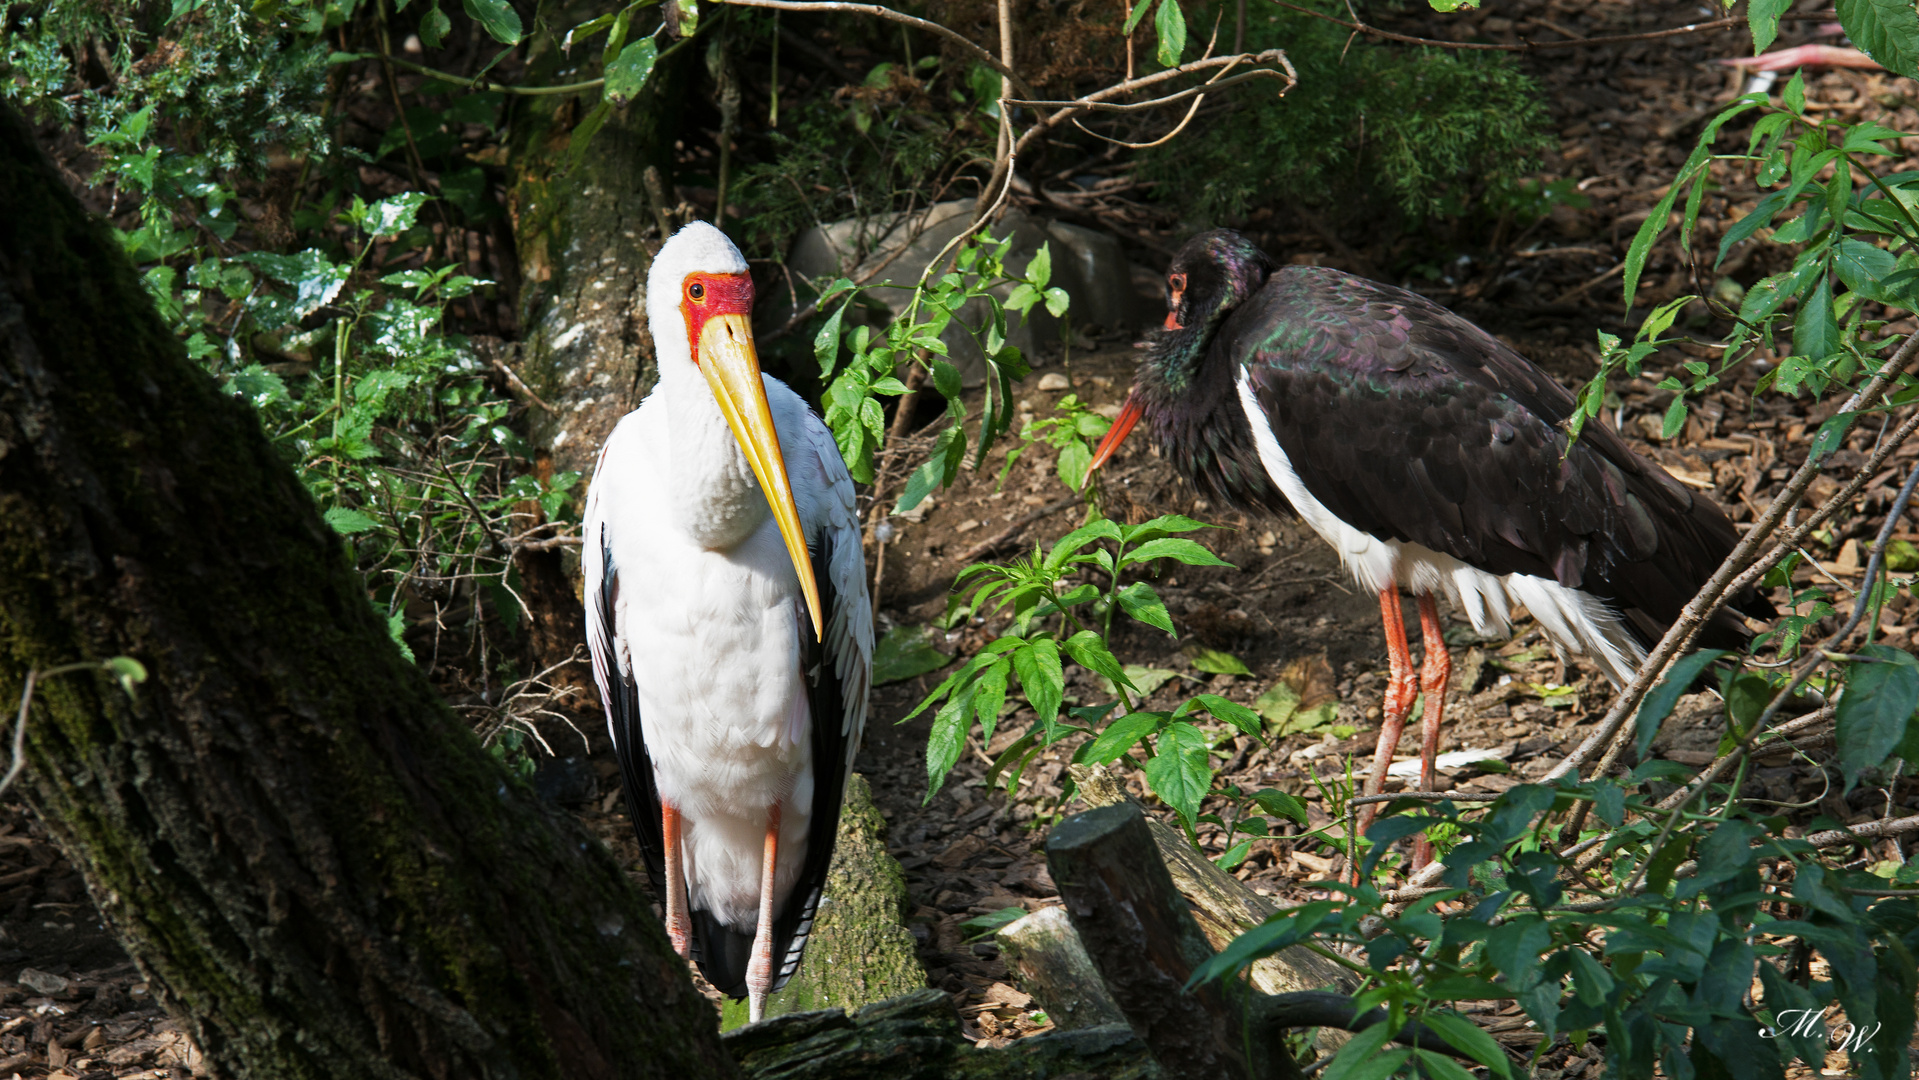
(315, 865)
(1045, 955)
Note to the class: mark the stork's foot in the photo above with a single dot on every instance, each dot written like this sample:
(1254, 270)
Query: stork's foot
(1402, 687)
(759, 970)
(1434, 674)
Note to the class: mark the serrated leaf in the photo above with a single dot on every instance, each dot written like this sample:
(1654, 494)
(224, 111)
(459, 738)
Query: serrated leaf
(1091, 653)
(1241, 717)
(1815, 329)
(1863, 267)
(1879, 700)
(1041, 677)
(1763, 17)
(1143, 604)
(628, 72)
(1886, 30)
(1179, 772)
(347, 521)
(1169, 22)
(1279, 804)
(1177, 548)
(497, 18)
(947, 740)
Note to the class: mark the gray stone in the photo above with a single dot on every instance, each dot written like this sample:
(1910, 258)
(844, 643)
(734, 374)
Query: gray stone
(1087, 263)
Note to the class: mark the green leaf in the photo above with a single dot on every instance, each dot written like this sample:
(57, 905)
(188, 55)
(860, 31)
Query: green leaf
(1675, 418)
(938, 470)
(1142, 603)
(1091, 652)
(1278, 706)
(434, 27)
(1440, 1067)
(1057, 301)
(1659, 702)
(396, 630)
(1138, 12)
(1863, 267)
(1659, 871)
(1831, 434)
(497, 18)
(1120, 736)
(346, 521)
(1144, 679)
(1655, 224)
(947, 740)
(1763, 17)
(1886, 30)
(1364, 1056)
(1879, 699)
(1467, 1037)
(1040, 676)
(1279, 804)
(628, 73)
(1170, 24)
(126, 671)
(1179, 773)
(980, 926)
(1215, 662)
(1815, 330)
(1241, 717)
(904, 652)
(1040, 270)
(684, 15)
(1178, 549)
(1235, 854)
(582, 136)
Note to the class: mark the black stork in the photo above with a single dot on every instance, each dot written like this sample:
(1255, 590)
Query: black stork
(1432, 457)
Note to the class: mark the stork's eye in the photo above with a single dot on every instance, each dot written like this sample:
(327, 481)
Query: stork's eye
(696, 291)
(1177, 281)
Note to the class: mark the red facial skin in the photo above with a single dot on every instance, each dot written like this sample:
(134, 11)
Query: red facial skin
(1178, 283)
(702, 296)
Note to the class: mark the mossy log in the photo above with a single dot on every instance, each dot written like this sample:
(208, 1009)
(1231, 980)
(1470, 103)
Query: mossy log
(313, 862)
(860, 951)
(1044, 953)
(917, 1037)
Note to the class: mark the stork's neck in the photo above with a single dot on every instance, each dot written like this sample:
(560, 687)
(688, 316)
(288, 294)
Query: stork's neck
(716, 500)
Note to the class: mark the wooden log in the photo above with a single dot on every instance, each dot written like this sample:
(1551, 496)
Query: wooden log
(1046, 956)
(1141, 934)
(917, 1037)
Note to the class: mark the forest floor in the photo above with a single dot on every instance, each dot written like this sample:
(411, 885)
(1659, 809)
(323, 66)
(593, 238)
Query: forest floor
(72, 1006)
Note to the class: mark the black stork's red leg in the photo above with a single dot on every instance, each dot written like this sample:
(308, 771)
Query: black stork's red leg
(1402, 687)
(1434, 674)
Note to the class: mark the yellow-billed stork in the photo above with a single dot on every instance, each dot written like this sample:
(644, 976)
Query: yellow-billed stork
(728, 619)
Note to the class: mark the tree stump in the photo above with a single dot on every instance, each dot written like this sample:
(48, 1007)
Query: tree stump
(860, 951)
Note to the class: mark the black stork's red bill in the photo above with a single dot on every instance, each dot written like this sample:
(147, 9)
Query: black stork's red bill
(1430, 456)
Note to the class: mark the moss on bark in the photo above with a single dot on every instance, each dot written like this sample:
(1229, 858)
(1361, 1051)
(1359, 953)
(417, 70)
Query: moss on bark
(860, 951)
(313, 862)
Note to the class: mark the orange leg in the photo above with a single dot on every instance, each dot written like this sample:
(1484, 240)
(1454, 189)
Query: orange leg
(1434, 674)
(759, 970)
(1401, 688)
(678, 927)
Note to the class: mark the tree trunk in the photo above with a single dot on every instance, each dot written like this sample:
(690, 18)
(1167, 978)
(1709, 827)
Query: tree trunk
(580, 225)
(312, 861)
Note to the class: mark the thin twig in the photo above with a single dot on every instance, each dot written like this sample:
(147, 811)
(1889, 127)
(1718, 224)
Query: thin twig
(1526, 46)
(875, 10)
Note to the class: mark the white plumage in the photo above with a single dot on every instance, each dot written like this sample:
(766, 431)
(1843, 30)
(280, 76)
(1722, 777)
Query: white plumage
(701, 634)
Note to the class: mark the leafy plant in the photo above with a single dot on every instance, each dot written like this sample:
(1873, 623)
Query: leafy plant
(1057, 620)
(1073, 433)
(873, 359)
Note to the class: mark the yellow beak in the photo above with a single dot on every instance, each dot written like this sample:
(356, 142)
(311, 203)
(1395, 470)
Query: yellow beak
(732, 368)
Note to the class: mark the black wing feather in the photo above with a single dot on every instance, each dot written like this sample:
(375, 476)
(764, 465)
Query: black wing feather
(622, 701)
(1412, 424)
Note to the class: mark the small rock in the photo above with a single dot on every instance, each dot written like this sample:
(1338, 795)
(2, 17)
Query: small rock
(966, 526)
(43, 982)
(1110, 410)
(1053, 380)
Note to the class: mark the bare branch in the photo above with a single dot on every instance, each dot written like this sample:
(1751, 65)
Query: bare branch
(879, 12)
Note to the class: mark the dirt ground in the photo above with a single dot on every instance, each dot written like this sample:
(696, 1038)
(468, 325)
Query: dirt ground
(72, 1006)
